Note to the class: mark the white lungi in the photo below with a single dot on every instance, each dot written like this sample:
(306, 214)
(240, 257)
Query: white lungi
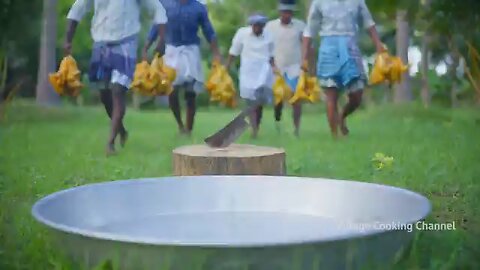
(255, 74)
(187, 62)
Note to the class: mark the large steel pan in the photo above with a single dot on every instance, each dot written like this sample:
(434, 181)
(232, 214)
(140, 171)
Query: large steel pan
(233, 222)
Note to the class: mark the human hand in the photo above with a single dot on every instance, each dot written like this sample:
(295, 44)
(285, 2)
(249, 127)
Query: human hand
(160, 49)
(67, 48)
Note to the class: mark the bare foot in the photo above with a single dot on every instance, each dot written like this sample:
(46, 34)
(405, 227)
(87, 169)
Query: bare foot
(344, 128)
(123, 138)
(110, 150)
(182, 131)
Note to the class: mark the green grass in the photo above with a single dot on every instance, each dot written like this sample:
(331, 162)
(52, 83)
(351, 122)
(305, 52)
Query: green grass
(436, 153)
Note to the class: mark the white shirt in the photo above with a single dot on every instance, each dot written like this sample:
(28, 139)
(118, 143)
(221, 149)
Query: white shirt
(288, 45)
(249, 46)
(255, 54)
(114, 20)
(337, 17)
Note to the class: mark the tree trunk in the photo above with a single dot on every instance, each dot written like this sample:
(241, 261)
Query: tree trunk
(311, 61)
(237, 159)
(45, 95)
(454, 79)
(403, 91)
(426, 97)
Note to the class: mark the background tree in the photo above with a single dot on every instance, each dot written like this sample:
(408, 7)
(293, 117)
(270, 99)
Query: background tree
(45, 95)
(438, 28)
(19, 40)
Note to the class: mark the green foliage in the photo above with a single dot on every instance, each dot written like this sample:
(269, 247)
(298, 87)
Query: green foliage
(20, 23)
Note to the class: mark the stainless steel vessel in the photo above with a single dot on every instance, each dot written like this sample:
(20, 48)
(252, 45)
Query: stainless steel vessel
(233, 222)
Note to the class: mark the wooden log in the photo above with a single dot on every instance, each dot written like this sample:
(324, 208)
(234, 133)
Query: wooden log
(237, 159)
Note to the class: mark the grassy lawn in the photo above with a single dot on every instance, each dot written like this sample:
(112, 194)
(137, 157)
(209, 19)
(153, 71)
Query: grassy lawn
(436, 152)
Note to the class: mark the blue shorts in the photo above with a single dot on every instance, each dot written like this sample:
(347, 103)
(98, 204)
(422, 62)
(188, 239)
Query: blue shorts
(291, 82)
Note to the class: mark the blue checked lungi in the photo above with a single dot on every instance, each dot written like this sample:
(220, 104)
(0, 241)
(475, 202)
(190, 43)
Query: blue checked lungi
(113, 62)
(340, 64)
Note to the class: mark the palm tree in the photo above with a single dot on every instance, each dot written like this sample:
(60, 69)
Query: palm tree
(45, 95)
(425, 93)
(403, 91)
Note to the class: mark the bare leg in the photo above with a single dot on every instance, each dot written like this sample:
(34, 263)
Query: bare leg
(255, 119)
(354, 101)
(259, 115)
(278, 114)
(174, 104)
(107, 100)
(118, 112)
(190, 97)
(297, 114)
(332, 111)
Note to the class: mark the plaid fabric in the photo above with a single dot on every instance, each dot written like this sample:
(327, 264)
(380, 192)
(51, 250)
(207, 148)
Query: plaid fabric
(340, 63)
(114, 62)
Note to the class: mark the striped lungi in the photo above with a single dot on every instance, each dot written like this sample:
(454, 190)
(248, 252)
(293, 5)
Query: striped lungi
(340, 64)
(113, 62)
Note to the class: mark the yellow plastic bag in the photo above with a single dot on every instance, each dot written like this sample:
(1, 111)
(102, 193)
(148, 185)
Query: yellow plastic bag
(163, 76)
(281, 90)
(141, 79)
(153, 79)
(214, 78)
(388, 69)
(307, 89)
(220, 86)
(314, 90)
(66, 81)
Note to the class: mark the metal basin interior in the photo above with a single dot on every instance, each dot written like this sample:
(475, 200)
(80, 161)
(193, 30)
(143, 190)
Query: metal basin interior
(229, 211)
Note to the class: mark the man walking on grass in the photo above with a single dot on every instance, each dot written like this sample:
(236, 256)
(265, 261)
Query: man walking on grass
(339, 67)
(114, 30)
(255, 48)
(287, 33)
(185, 18)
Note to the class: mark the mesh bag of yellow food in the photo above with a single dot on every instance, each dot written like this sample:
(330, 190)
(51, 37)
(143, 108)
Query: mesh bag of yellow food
(163, 76)
(281, 90)
(307, 89)
(220, 86)
(141, 79)
(66, 81)
(153, 79)
(388, 69)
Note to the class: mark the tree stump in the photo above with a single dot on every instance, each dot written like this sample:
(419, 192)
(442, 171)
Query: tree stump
(237, 159)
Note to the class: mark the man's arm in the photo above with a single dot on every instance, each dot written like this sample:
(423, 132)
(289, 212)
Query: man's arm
(376, 39)
(271, 52)
(312, 27)
(159, 24)
(209, 33)
(230, 59)
(235, 49)
(369, 24)
(152, 35)
(75, 15)
(302, 27)
(274, 67)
